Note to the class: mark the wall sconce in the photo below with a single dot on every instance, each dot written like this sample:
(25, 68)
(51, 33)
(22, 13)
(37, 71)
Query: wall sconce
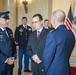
(25, 2)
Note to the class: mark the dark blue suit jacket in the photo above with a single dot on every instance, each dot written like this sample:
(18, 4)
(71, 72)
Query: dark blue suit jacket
(5, 50)
(58, 48)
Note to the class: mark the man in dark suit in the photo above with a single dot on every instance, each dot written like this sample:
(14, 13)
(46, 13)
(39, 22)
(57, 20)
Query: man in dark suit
(21, 39)
(5, 49)
(59, 46)
(36, 44)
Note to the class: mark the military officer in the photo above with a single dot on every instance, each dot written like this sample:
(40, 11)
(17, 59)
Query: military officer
(46, 25)
(5, 49)
(21, 39)
(13, 48)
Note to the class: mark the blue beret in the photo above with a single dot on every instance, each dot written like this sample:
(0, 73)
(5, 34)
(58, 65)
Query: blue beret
(4, 15)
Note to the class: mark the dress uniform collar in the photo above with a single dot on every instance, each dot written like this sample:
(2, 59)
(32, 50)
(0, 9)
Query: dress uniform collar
(2, 28)
(58, 26)
(25, 26)
(46, 27)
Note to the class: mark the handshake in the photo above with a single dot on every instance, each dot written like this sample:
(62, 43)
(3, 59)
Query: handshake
(10, 60)
(36, 59)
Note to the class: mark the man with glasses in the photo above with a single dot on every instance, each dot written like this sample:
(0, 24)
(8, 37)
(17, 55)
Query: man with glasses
(36, 44)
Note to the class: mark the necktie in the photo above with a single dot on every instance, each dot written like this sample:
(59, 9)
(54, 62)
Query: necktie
(6, 33)
(25, 27)
(38, 34)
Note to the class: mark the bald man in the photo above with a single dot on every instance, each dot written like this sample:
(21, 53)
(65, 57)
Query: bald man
(59, 46)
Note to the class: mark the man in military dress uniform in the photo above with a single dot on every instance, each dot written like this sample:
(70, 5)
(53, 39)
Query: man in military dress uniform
(21, 39)
(46, 25)
(13, 48)
(5, 49)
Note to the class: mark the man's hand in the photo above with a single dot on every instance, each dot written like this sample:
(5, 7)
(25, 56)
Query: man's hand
(36, 59)
(10, 60)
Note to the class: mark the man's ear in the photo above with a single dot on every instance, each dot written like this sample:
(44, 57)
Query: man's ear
(41, 21)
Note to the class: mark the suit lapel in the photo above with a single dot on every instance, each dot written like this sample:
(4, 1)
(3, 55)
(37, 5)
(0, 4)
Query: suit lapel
(5, 36)
(35, 37)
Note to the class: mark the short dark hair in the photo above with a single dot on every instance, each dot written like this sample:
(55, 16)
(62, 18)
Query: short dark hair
(39, 15)
(24, 18)
(46, 20)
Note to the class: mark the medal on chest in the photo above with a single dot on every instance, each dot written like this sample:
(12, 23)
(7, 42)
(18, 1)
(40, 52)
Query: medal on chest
(21, 30)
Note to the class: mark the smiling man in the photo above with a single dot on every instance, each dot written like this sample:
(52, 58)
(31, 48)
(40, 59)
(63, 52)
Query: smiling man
(36, 44)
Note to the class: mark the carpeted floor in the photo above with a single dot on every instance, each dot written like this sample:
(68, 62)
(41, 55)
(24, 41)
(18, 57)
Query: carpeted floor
(73, 70)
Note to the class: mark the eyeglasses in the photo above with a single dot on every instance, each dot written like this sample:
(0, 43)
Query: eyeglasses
(35, 22)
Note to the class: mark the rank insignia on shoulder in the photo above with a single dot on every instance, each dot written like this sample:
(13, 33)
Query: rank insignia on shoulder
(52, 30)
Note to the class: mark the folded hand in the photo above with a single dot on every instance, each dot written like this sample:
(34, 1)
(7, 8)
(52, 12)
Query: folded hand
(10, 60)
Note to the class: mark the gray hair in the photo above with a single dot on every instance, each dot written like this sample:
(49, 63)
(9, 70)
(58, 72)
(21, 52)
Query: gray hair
(59, 15)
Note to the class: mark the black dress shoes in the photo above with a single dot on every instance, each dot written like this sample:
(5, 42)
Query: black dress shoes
(19, 73)
(27, 71)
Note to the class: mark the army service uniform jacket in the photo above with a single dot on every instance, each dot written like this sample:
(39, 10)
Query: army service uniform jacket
(5, 50)
(22, 35)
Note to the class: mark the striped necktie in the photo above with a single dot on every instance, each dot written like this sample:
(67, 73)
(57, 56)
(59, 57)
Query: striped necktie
(6, 33)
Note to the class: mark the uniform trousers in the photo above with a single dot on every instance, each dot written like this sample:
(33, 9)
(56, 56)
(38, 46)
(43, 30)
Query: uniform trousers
(3, 73)
(7, 72)
(22, 52)
(10, 72)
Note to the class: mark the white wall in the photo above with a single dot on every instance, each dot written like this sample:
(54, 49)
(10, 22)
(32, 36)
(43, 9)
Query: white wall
(35, 6)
